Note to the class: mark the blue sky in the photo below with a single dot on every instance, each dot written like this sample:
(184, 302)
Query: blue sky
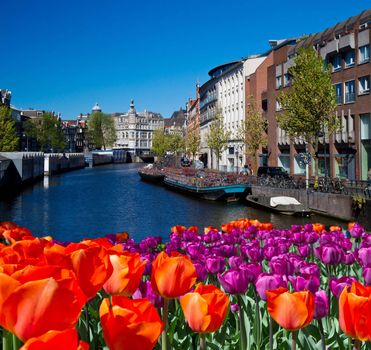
(66, 55)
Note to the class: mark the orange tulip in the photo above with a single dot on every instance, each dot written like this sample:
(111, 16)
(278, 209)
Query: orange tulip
(56, 340)
(7, 287)
(205, 309)
(91, 264)
(208, 229)
(355, 311)
(36, 307)
(130, 324)
(291, 311)
(335, 228)
(24, 252)
(319, 228)
(126, 275)
(172, 276)
(122, 237)
(178, 229)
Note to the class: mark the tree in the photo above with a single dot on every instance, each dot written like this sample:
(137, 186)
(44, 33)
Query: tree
(8, 134)
(159, 143)
(101, 129)
(217, 137)
(175, 143)
(309, 105)
(253, 131)
(192, 141)
(47, 130)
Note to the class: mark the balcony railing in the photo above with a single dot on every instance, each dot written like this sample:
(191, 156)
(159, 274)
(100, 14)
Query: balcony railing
(350, 97)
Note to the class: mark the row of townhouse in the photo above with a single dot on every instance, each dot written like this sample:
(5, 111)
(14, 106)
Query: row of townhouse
(346, 46)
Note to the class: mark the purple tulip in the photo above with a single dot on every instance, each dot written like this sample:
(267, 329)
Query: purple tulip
(235, 308)
(356, 231)
(201, 270)
(329, 254)
(211, 236)
(366, 273)
(320, 305)
(235, 262)
(270, 251)
(252, 252)
(215, 264)
(348, 259)
(298, 237)
(195, 250)
(311, 237)
(364, 256)
(266, 282)
(304, 250)
(305, 282)
(234, 281)
(253, 271)
(338, 284)
(227, 250)
(145, 291)
(296, 228)
(309, 269)
(281, 265)
(308, 227)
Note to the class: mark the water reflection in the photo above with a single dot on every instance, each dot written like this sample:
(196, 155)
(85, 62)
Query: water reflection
(108, 199)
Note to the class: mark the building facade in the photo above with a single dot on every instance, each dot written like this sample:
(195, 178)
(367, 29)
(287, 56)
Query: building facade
(176, 124)
(346, 48)
(135, 130)
(225, 93)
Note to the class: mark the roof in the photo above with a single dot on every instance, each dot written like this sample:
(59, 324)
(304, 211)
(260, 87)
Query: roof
(177, 118)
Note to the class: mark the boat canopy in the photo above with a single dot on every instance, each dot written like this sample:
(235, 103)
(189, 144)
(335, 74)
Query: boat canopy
(274, 201)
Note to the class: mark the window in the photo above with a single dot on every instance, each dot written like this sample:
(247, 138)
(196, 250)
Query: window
(364, 85)
(278, 106)
(364, 54)
(278, 82)
(349, 58)
(286, 79)
(339, 93)
(336, 63)
(350, 91)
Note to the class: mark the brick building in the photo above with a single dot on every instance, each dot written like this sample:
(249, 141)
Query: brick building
(346, 46)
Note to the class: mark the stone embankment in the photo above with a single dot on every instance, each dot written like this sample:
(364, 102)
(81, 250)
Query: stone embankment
(18, 169)
(330, 204)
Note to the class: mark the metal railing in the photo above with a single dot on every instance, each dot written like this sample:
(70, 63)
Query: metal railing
(325, 185)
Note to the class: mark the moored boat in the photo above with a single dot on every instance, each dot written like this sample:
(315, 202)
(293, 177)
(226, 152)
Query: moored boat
(279, 204)
(229, 193)
(151, 174)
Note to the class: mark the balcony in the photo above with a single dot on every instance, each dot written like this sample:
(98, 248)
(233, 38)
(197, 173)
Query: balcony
(350, 97)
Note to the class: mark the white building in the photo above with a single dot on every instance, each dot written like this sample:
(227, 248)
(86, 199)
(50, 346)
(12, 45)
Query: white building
(225, 91)
(135, 130)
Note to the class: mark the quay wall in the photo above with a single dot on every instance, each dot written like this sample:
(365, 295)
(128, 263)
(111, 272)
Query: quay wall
(30, 165)
(334, 205)
(55, 163)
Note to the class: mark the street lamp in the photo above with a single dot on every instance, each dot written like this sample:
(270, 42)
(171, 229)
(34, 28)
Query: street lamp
(26, 136)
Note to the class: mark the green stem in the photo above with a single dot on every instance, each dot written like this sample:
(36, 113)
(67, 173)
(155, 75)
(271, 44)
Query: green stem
(87, 323)
(322, 333)
(270, 320)
(294, 337)
(202, 342)
(243, 337)
(165, 312)
(7, 340)
(357, 344)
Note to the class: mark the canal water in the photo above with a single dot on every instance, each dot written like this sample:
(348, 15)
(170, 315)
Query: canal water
(95, 201)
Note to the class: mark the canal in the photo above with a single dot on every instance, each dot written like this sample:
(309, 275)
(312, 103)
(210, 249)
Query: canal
(95, 201)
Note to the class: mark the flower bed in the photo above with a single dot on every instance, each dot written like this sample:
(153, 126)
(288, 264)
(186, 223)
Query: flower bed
(246, 286)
